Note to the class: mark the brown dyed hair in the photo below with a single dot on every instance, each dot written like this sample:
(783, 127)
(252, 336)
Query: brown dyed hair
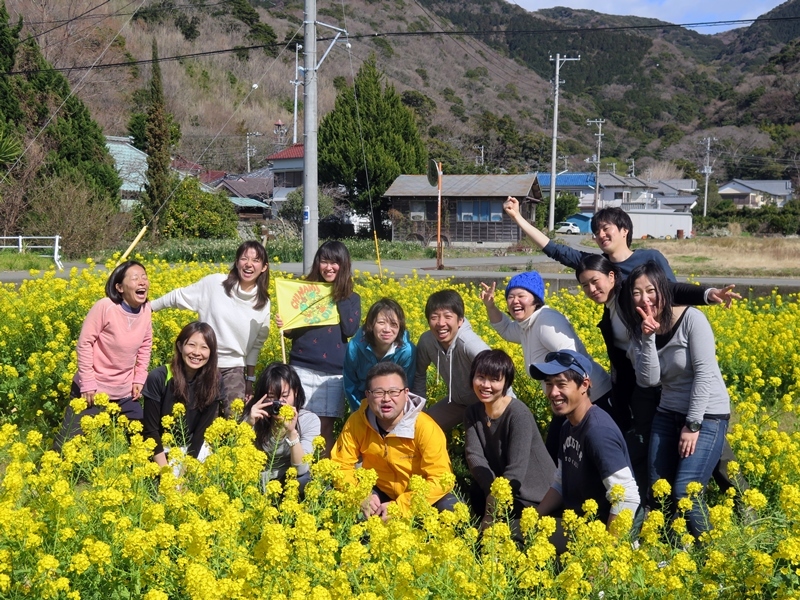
(334, 252)
(262, 283)
(207, 378)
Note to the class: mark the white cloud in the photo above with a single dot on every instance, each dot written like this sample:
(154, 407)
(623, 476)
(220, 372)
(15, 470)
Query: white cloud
(674, 11)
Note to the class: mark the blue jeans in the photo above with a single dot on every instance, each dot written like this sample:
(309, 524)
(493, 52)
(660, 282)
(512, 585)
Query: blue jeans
(666, 463)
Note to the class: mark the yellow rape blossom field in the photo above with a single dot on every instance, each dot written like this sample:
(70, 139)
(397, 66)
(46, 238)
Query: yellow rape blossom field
(103, 521)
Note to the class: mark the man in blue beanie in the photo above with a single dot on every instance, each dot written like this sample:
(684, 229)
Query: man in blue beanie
(541, 330)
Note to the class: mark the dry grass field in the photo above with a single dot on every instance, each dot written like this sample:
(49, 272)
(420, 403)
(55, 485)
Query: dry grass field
(737, 255)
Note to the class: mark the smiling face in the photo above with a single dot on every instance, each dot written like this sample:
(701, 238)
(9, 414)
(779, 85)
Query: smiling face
(249, 266)
(134, 286)
(444, 324)
(598, 286)
(195, 353)
(488, 388)
(386, 328)
(644, 292)
(521, 304)
(611, 238)
(329, 270)
(567, 398)
(387, 410)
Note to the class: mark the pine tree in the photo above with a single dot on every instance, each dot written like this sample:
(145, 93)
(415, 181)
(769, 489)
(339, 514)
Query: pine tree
(159, 180)
(66, 143)
(391, 145)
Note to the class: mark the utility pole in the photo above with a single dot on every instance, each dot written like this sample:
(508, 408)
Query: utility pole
(632, 163)
(310, 172)
(707, 169)
(565, 159)
(559, 60)
(599, 136)
(296, 82)
(251, 151)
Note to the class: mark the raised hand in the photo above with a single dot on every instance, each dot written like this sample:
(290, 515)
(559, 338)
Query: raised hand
(511, 206)
(487, 294)
(278, 321)
(259, 410)
(649, 323)
(724, 296)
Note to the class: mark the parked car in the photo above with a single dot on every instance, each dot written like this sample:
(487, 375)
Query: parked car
(567, 227)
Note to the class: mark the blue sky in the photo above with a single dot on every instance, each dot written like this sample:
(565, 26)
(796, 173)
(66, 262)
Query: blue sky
(673, 11)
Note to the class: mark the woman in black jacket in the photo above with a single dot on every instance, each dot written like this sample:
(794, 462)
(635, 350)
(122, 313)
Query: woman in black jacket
(191, 379)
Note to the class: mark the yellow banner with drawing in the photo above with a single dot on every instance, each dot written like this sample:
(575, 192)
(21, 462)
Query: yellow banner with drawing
(305, 303)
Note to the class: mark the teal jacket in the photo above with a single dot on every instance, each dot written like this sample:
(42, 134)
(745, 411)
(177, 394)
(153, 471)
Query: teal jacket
(360, 358)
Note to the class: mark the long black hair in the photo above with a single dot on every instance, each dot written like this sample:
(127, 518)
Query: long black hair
(664, 300)
(599, 263)
(207, 378)
(335, 252)
(262, 283)
(116, 277)
(270, 383)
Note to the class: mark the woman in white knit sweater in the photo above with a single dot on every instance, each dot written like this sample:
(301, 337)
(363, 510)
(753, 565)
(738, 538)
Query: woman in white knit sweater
(237, 307)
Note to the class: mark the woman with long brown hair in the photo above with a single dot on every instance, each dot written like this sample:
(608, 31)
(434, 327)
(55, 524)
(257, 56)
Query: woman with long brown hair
(191, 379)
(237, 307)
(318, 351)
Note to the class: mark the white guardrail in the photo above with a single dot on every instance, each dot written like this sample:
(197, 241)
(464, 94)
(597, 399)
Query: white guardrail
(23, 243)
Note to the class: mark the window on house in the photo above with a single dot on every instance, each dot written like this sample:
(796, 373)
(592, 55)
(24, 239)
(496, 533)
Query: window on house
(497, 211)
(465, 211)
(417, 210)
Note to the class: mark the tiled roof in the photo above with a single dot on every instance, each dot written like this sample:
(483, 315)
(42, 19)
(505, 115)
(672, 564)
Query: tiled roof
(465, 186)
(293, 151)
(568, 180)
(248, 187)
(773, 187)
(131, 163)
(247, 202)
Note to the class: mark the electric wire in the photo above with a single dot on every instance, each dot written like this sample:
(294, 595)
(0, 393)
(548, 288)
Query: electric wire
(72, 92)
(275, 45)
(225, 124)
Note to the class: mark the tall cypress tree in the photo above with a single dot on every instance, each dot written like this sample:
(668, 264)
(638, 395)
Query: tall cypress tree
(157, 188)
(392, 144)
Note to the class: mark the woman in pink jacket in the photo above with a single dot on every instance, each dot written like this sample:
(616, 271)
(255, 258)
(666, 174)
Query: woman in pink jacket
(113, 349)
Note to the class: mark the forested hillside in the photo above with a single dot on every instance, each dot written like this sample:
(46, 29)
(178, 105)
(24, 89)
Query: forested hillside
(478, 96)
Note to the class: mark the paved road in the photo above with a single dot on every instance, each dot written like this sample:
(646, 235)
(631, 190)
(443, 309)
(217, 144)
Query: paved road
(487, 268)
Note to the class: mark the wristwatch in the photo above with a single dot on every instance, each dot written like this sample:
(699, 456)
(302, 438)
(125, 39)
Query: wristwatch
(293, 442)
(693, 426)
(250, 378)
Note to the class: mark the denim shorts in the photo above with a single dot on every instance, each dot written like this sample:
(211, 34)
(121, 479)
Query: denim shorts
(324, 392)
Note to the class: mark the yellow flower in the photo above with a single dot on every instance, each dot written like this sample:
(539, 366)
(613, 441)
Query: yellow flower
(286, 413)
(502, 493)
(661, 489)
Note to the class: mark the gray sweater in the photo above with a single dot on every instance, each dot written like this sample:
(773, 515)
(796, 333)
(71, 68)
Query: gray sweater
(453, 364)
(686, 367)
(510, 447)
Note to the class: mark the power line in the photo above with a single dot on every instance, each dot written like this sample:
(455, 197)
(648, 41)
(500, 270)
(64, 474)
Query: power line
(124, 14)
(476, 33)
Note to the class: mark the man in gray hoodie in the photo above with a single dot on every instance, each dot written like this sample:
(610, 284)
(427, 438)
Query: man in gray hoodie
(451, 344)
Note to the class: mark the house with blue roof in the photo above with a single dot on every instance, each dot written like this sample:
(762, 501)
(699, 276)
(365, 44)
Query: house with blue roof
(131, 164)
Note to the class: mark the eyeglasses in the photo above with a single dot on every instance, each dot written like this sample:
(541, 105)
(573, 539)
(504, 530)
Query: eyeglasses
(565, 360)
(393, 393)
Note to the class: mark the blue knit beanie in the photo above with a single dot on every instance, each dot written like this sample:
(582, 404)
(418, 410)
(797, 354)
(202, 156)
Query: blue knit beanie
(530, 281)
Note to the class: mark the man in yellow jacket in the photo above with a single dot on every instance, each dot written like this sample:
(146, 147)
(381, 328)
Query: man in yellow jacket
(391, 435)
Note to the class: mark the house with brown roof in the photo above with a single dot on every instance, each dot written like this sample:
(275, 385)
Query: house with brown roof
(472, 208)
